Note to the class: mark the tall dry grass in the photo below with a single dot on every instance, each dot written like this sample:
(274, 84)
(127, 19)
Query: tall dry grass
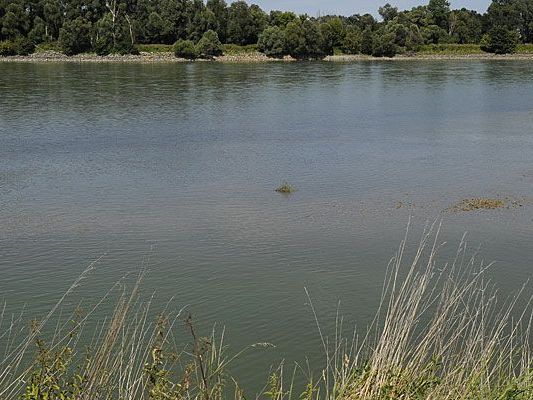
(441, 332)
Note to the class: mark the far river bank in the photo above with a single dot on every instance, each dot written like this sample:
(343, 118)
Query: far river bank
(251, 57)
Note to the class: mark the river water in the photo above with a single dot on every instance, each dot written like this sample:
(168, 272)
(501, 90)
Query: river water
(173, 167)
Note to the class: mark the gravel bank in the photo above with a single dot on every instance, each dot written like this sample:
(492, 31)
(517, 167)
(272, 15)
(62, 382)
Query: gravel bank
(256, 57)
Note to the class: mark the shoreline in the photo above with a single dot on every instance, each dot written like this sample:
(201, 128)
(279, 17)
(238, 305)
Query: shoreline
(255, 57)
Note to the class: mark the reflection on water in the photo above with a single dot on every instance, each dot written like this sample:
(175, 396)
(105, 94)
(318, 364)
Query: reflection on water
(179, 162)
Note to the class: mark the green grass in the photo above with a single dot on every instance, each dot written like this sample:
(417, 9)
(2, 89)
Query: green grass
(451, 49)
(441, 332)
(466, 49)
(228, 49)
(525, 48)
(155, 48)
(49, 46)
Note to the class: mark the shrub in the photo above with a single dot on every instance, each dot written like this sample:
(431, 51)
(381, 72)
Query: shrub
(272, 42)
(7, 48)
(49, 46)
(209, 45)
(500, 41)
(102, 46)
(20, 46)
(185, 49)
(24, 46)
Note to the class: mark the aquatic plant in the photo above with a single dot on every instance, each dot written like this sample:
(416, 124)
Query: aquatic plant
(441, 332)
(285, 188)
(480, 203)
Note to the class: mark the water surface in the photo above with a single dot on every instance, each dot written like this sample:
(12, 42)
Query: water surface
(174, 166)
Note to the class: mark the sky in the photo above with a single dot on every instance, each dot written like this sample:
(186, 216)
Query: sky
(350, 7)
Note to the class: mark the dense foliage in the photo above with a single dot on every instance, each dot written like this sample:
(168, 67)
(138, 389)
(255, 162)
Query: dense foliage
(117, 26)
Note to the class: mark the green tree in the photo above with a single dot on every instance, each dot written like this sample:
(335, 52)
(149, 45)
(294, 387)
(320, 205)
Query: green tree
(500, 40)
(272, 42)
(362, 21)
(103, 43)
(53, 17)
(367, 41)
(414, 39)
(352, 40)
(466, 26)
(513, 15)
(384, 44)
(175, 17)
(209, 45)
(15, 22)
(113, 34)
(434, 34)
(333, 33)
(281, 18)
(220, 9)
(304, 40)
(439, 10)
(38, 32)
(388, 12)
(245, 23)
(202, 21)
(400, 32)
(74, 36)
(159, 30)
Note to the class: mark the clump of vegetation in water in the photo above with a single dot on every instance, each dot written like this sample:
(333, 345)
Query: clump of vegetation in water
(286, 188)
(481, 203)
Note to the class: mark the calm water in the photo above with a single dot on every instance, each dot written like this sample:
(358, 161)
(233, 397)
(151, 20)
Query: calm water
(177, 163)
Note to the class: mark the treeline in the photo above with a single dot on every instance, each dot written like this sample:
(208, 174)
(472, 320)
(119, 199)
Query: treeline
(198, 29)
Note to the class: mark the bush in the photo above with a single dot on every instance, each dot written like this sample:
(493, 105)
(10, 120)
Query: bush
(102, 46)
(49, 46)
(272, 42)
(24, 46)
(185, 49)
(7, 48)
(209, 45)
(500, 41)
(18, 47)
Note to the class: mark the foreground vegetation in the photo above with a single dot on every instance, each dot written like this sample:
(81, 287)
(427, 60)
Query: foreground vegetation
(440, 333)
(198, 30)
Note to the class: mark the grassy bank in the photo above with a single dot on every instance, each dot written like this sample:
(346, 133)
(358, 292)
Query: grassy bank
(441, 332)
(158, 53)
(466, 49)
